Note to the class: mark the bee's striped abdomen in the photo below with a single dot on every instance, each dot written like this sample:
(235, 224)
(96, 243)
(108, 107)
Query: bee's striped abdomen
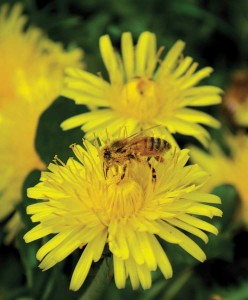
(156, 143)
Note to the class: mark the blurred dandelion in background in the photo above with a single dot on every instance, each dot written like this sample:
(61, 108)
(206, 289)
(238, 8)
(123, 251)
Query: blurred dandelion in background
(144, 90)
(85, 209)
(224, 169)
(32, 69)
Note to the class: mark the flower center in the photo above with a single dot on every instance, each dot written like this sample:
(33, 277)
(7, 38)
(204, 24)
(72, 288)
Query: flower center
(117, 198)
(122, 201)
(138, 100)
(126, 199)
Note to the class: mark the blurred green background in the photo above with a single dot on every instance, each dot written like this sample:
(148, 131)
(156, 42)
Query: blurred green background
(216, 34)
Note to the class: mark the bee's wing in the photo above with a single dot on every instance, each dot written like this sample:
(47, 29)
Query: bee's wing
(137, 135)
(135, 138)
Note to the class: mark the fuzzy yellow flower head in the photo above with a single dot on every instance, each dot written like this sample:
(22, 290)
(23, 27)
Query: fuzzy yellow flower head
(143, 91)
(31, 76)
(31, 64)
(84, 208)
(215, 162)
(227, 169)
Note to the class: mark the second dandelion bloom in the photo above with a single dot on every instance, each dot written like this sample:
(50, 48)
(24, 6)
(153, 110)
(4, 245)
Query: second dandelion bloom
(143, 91)
(224, 169)
(82, 207)
(31, 72)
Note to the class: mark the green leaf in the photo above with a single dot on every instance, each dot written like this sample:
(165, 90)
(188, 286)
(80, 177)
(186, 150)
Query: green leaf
(220, 246)
(51, 140)
(230, 200)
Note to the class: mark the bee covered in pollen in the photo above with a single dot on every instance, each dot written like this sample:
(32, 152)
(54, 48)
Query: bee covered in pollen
(138, 147)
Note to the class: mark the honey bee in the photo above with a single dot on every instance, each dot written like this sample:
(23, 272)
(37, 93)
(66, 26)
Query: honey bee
(136, 147)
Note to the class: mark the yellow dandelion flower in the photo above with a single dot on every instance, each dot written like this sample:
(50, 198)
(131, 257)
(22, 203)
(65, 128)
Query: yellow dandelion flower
(141, 92)
(32, 74)
(31, 64)
(215, 162)
(227, 170)
(83, 209)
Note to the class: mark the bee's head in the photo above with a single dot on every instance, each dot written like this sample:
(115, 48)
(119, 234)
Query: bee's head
(107, 154)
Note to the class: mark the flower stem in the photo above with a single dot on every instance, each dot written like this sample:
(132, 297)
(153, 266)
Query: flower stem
(177, 285)
(97, 286)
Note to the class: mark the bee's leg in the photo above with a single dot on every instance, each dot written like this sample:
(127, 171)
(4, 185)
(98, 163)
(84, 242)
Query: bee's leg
(124, 172)
(105, 170)
(116, 169)
(159, 159)
(154, 175)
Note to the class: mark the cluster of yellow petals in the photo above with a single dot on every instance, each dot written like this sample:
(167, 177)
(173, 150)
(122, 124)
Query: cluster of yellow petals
(83, 209)
(225, 169)
(143, 91)
(31, 77)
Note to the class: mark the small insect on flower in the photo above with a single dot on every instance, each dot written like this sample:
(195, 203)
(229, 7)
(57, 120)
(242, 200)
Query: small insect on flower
(137, 147)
